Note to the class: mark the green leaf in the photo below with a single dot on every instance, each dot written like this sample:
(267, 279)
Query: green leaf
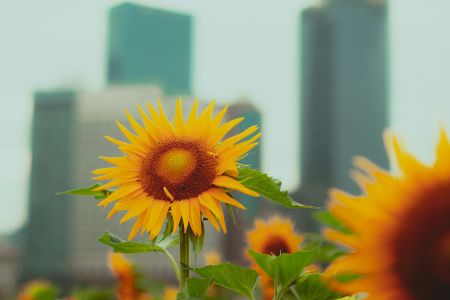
(169, 227)
(326, 250)
(283, 269)
(347, 277)
(326, 218)
(88, 191)
(197, 241)
(122, 246)
(184, 294)
(230, 211)
(236, 278)
(49, 293)
(267, 186)
(168, 241)
(93, 294)
(197, 286)
(311, 287)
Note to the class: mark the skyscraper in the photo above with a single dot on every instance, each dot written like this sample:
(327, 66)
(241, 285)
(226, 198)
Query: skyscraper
(344, 90)
(46, 246)
(252, 116)
(149, 45)
(233, 246)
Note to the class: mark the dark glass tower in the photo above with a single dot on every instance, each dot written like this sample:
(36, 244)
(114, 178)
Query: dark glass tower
(233, 246)
(344, 91)
(148, 45)
(46, 238)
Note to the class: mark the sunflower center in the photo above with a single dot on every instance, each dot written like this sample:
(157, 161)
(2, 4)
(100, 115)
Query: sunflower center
(276, 246)
(441, 258)
(421, 244)
(178, 169)
(176, 164)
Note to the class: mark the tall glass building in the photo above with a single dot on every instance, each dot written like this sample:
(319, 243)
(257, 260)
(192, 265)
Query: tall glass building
(233, 246)
(344, 92)
(46, 240)
(149, 45)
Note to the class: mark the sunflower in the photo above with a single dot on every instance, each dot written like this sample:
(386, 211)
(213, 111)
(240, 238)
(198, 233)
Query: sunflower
(182, 169)
(212, 258)
(127, 281)
(274, 237)
(170, 293)
(38, 289)
(400, 228)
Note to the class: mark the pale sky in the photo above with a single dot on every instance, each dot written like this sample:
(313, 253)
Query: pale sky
(242, 48)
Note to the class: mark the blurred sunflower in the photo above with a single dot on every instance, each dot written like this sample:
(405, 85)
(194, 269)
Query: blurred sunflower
(274, 237)
(127, 288)
(400, 240)
(38, 289)
(181, 168)
(212, 258)
(170, 293)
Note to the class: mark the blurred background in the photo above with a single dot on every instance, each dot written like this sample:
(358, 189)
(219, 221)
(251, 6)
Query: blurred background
(323, 79)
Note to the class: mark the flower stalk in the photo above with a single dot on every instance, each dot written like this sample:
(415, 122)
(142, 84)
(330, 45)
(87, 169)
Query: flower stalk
(184, 258)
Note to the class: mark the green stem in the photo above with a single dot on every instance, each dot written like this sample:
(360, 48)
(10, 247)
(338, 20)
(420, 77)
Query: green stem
(278, 293)
(294, 292)
(184, 258)
(173, 263)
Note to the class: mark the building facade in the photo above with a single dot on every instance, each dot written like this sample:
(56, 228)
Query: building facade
(344, 92)
(149, 45)
(46, 241)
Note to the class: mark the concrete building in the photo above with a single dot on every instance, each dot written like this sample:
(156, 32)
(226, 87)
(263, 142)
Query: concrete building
(149, 45)
(344, 92)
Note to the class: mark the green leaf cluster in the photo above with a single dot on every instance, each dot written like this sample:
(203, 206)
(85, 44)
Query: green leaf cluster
(311, 287)
(283, 269)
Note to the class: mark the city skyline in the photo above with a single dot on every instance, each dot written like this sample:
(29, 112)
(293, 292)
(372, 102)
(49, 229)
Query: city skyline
(80, 62)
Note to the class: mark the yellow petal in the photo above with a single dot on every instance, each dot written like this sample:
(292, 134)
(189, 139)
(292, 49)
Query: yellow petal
(136, 227)
(176, 214)
(223, 197)
(178, 120)
(223, 130)
(185, 210)
(119, 193)
(443, 154)
(160, 221)
(228, 182)
(236, 138)
(207, 201)
(195, 216)
(138, 207)
(156, 209)
(192, 115)
(210, 217)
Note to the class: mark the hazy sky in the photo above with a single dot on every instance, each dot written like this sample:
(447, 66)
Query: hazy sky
(242, 48)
